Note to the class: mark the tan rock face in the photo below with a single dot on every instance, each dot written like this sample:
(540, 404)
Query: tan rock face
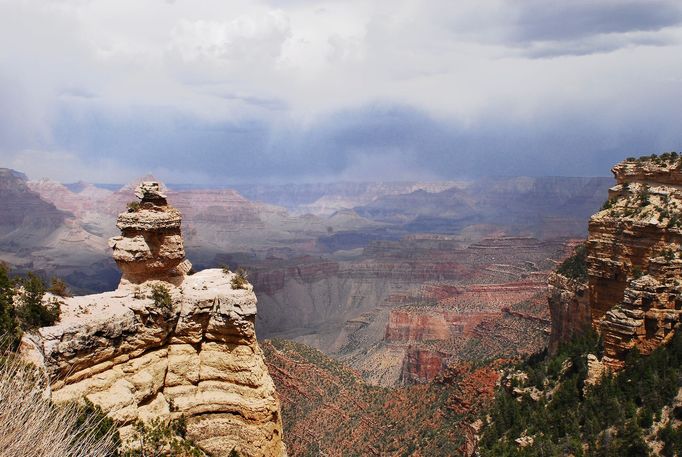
(196, 357)
(150, 245)
(569, 307)
(634, 263)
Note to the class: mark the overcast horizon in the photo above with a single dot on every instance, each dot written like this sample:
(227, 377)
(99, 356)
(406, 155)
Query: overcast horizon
(279, 91)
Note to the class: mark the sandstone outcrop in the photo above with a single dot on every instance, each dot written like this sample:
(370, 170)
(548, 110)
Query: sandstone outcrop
(569, 303)
(141, 354)
(151, 244)
(633, 263)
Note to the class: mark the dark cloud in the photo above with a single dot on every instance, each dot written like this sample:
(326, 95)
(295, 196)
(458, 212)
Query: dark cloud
(540, 20)
(596, 45)
(394, 142)
(550, 29)
(259, 91)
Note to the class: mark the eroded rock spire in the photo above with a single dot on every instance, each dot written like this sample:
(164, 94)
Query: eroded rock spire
(150, 245)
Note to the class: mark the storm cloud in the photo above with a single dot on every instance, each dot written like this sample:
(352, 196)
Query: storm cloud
(213, 92)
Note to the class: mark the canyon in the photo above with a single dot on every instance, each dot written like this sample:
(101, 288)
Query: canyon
(329, 409)
(423, 298)
(397, 280)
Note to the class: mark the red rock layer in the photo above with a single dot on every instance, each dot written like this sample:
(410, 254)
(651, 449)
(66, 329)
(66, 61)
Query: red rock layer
(422, 364)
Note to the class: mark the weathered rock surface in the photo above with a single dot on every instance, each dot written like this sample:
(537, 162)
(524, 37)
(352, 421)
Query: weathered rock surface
(569, 305)
(194, 356)
(634, 267)
(151, 244)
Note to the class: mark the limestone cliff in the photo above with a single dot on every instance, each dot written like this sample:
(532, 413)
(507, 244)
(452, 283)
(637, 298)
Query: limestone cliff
(633, 263)
(569, 305)
(190, 353)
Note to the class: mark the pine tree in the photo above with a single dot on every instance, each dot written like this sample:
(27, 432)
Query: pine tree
(32, 312)
(9, 327)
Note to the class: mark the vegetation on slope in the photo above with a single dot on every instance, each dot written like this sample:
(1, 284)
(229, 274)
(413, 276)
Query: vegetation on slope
(22, 307)
(575, 267)
(161, 439)
(665, 158)
(329, 410)
(611, 418)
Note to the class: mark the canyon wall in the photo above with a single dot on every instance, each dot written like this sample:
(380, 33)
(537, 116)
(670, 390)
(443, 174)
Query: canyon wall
(570, 308)
(406, 309)
(633, 263)
(26, 220)
(166, 344)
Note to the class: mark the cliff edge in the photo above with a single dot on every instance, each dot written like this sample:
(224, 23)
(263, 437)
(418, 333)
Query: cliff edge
(166, 343)
(630, 290)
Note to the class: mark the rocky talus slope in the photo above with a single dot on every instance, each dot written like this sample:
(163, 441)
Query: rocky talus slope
(190, 351)
(630, 288)
(330, 410)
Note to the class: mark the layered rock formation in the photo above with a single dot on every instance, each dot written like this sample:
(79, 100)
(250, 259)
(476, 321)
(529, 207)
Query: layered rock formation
(425, 296)
(151, 244)
(569, 303)
(165, 344)
(26, 220)
(633, 263)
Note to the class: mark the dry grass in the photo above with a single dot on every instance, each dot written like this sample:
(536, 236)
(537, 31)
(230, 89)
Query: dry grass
(31, 426)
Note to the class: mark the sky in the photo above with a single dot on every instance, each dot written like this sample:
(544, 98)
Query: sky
(218, 92)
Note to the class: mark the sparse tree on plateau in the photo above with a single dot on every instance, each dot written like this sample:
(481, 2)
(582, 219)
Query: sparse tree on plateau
(31, 311)
(9, 327)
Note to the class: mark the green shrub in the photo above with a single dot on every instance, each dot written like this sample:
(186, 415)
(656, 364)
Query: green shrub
(644, 195)
(161, 296)
(92, 420)
(160, 439)
(9, 325)
(575, 267)
(669, 254)
(637, 272)
(608, 204)
(133, 206)
(609, 419)
(239, 280)
(32, 312)
(59, 288)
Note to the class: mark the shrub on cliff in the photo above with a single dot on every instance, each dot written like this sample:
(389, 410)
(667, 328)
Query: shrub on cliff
(133, 206)
(160, 439)
(31, 310)
(239, 280)
(22, 305)
(9, 326)
(161, 296)
(575, 267)
(59, 288)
